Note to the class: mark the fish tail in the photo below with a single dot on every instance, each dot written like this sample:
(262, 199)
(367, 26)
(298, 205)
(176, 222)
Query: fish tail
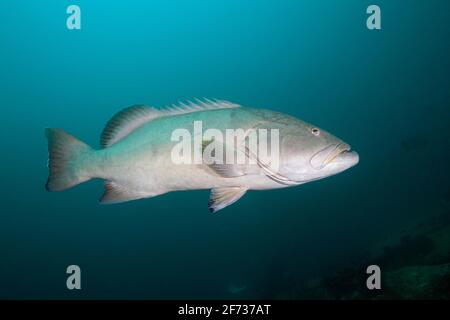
(67, 160)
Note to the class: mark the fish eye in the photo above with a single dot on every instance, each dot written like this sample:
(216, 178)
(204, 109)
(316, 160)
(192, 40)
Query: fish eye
(315, 131)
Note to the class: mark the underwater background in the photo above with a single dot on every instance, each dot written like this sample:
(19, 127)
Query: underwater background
(385, 92)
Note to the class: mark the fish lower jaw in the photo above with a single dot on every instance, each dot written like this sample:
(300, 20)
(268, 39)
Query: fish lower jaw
(347, 159)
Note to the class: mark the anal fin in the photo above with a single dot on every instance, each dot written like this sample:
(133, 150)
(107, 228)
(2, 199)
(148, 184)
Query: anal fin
(115, 193)
(223, 197)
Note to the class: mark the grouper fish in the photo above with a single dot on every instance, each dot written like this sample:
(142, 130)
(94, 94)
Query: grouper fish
(136, 158)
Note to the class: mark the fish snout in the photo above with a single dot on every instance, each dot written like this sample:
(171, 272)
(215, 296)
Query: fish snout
(351, 158)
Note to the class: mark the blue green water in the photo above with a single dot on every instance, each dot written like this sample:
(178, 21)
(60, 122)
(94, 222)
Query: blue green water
(381, 91)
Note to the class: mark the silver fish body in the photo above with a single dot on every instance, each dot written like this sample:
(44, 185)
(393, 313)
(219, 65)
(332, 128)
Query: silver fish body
(136, 158)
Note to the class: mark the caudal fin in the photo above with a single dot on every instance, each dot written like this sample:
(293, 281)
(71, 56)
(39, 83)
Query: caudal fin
(65, 162)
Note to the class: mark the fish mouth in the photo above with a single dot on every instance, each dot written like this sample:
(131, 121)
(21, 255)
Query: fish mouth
(331, 153)
(341, 149)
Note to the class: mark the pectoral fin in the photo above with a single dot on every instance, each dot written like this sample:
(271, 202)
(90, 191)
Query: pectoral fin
(222, 169)
(223, 197)
(228, 170)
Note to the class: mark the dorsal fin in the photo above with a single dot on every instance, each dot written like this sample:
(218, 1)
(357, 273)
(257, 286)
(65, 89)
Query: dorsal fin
(125, 121)
(198, 105)
(131, 118)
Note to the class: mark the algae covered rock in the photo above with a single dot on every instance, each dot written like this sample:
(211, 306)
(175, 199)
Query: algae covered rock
(419, 282)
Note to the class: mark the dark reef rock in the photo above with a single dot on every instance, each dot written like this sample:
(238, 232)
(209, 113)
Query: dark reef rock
(411, 250)
(419, 282)
(415, 267)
